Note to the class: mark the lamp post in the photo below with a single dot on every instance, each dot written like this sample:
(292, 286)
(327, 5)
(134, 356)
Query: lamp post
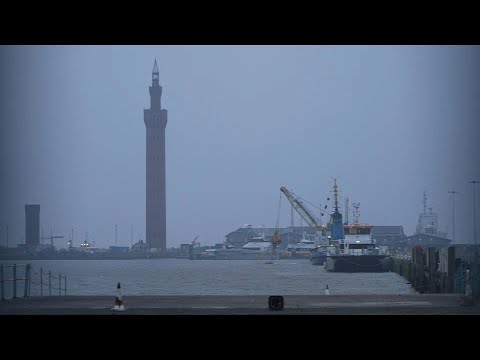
(453, 192)
(474, 222)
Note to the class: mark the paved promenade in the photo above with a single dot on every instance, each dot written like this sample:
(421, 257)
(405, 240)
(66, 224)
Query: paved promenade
(237, 305)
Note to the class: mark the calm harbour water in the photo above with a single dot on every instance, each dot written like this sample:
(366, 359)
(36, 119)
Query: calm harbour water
(208, 277)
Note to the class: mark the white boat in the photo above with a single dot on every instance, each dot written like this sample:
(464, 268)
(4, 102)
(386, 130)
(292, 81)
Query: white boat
(300, 250)
(256, 249)
(207, 254)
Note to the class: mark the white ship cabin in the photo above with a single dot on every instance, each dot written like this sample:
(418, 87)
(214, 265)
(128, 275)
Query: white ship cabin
(87, 247)
(358, 240)
(307, 239)
(208, 253)
(257, 238)
(300, 249)
(261, 246)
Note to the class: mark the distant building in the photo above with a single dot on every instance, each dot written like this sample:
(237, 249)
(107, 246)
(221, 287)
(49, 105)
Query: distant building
(288, 235)
(427, 240)
(119, 249)
(239, 237)
(32, 225)
(391, 236)
(394, 238)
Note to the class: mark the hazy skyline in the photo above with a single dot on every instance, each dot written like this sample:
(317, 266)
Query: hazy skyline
(388, 121)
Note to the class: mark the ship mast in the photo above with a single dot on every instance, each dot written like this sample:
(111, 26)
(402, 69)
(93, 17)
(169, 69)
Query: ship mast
(346, 211)
(424, 202)
(356, 213)
(335, 193)
(336, 217)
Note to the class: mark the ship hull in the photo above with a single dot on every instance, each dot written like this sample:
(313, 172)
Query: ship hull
(294, 256)
(318, 259)
(356, 263)
(243, 255)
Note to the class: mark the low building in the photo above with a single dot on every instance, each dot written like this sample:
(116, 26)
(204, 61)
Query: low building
(288, 235)
(119, 249)
(426, 240)
(391, 236)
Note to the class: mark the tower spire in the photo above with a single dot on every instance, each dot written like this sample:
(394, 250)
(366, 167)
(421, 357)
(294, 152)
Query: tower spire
(155, 73)
(155, 90)
(335, 193)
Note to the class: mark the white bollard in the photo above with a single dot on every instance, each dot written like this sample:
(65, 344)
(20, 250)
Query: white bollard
(119, 300)
(468, 298)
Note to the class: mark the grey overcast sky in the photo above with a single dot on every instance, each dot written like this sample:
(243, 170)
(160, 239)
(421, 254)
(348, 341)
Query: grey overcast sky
(388, 121)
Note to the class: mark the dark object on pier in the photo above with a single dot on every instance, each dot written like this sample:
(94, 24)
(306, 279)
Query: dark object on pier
(275, 303)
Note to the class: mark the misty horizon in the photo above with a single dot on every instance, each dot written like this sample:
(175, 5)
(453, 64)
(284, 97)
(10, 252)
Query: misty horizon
(389, 122)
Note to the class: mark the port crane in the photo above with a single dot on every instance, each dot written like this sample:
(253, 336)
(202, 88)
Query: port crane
(304, 213)
(191, 247)
(51, 237)
(194, 241)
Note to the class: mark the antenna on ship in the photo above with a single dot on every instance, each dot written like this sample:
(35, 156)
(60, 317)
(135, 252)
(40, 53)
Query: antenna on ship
(356, 213)
(346, 211)
(131, 235)
(70, 242)
(424, 202)
(335, 193)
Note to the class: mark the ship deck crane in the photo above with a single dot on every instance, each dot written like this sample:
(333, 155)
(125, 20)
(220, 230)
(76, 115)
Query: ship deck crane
(51, 238)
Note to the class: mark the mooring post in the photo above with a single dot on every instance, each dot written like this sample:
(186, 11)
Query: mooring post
(29, 279)
(468, 297)
(450, 268)
(14, 281)
(2, 293)
(25, 288)
(432, 270)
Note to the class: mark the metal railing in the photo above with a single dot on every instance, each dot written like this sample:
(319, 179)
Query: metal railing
(29, 281)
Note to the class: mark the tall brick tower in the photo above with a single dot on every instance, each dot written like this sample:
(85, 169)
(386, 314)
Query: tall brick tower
(155, 120)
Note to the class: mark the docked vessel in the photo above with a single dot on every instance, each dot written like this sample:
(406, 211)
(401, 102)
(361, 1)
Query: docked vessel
(207, 254)
(256, 249)
(357, 252)
(300, 250)
(318, 256)
(355, 249)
